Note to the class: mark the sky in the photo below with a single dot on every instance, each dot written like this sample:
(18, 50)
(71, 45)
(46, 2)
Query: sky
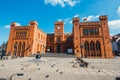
(47, 12)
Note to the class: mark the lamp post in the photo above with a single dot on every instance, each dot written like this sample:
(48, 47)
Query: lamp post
(81, 46)
(18, 74)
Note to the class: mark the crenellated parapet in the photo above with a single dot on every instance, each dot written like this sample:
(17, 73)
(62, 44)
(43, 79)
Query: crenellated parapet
(76, 19)
(89, 23)
(13, 24)
(59, 23)
(33, 23)
(103, 17)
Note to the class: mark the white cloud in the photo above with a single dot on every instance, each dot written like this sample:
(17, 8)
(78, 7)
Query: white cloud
(62, 3)
(114, 24)
(60, 20)
(66, 20)
(118, 11)
(91, 17)
(76, 15)
(8, 26)
(70, 21)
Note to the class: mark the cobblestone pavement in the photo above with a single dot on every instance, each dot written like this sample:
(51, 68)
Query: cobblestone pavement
(52, 68)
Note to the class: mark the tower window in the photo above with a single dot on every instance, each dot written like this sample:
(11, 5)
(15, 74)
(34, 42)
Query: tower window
(58, 39)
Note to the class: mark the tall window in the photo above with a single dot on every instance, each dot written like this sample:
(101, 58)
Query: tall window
(86, 47)
(92, 48)
(68, 40)
(21, 34)
(90, 31)
(98, 48)
(96, 31)
(58, 39)
(50, 39)
(23, 46)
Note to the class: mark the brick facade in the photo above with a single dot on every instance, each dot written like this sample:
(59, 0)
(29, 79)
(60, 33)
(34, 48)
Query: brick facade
(89, 39)
(26, 40)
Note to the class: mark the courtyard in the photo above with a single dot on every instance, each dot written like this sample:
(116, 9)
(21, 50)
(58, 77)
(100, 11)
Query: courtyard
(59, 67)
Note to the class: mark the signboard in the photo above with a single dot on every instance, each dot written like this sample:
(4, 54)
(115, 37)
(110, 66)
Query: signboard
(48, 49)
(70, 50)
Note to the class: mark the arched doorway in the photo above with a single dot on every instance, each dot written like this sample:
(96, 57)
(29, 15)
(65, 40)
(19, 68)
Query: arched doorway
(58, 48)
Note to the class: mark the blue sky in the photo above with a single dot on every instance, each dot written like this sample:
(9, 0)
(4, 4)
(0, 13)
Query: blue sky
(46, 12)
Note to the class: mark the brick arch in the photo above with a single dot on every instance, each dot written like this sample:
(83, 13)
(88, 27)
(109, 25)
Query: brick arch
(86, 48)
(98, 49)
(92, 48)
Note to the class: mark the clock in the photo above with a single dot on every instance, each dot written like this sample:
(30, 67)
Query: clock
(58, 27)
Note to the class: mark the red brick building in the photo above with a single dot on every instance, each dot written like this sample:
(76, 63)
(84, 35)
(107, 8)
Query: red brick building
(26, 40)
(88, 39)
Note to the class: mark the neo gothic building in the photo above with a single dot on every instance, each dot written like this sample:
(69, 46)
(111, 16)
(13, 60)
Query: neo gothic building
(26, 40)
(88, 39)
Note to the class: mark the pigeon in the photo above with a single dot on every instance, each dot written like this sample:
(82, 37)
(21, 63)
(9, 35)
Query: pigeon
(2, 65)
(52, 66)
(92, 66)
(38, 64)
(22, 68)
(98, 70)
(61, 72)
(57, 70)
(46, 76)
(38, 68)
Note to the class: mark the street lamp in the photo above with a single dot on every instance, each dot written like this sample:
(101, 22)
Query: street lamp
(18, 74)
(81, 46)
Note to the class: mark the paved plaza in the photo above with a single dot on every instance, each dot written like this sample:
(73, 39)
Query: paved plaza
(58, 68)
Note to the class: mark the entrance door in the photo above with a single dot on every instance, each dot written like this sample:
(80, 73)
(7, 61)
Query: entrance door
(58, 49)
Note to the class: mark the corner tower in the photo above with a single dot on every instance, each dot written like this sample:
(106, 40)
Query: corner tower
(106, 37)
(76, 35)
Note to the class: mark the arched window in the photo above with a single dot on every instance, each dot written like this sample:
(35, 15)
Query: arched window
(92, 48)
(96, 31)
(23, 46)
(98, 49)
(92, 45)
(58, 39)
(68, 39)
(19, 46)
(98, 46)
(51, 49)
(86, 47)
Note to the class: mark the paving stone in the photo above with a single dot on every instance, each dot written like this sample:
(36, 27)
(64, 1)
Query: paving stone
(109, 69)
